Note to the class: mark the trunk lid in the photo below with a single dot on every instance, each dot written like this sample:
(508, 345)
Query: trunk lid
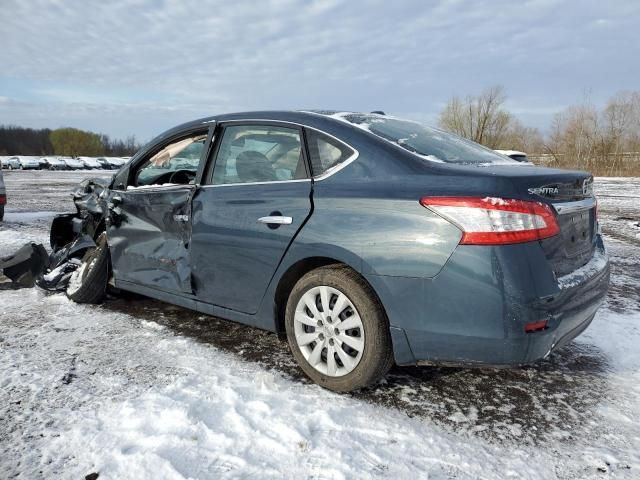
(570, 193)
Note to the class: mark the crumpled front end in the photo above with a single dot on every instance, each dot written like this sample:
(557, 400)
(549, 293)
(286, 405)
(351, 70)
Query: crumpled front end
(73, 233)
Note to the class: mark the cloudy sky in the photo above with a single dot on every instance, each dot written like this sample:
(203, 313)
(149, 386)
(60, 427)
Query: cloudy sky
(138, 67)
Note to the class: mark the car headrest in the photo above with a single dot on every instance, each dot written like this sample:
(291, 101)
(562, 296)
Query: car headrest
(252, 166)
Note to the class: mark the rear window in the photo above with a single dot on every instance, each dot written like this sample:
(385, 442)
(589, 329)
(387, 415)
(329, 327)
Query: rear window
(427, 142)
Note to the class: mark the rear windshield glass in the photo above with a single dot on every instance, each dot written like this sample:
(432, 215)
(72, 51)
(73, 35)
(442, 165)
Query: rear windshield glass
(429, 143)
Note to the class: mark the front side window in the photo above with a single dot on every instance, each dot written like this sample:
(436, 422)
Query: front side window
(176, 163)
(259, 153)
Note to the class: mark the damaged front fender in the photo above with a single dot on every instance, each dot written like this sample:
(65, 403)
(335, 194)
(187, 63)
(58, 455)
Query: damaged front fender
(73, 233)
(63, 262)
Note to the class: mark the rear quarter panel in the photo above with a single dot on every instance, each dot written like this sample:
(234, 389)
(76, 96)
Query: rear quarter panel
(388, 236)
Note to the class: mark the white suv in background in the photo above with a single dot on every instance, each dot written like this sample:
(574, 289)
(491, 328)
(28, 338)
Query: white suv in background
(11, 163)
(29, 163)
(515, 155)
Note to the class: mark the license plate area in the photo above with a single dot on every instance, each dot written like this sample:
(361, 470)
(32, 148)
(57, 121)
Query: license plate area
(577, 229)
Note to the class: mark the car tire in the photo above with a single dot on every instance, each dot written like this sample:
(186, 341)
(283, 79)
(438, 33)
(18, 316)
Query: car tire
(88, 284)
(1, 212)
(353, 368)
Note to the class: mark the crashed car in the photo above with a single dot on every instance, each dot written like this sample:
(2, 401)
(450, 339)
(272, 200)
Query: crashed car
(367, 239)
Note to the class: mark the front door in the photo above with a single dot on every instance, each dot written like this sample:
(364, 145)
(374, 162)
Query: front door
(150, 220)
(257, 199)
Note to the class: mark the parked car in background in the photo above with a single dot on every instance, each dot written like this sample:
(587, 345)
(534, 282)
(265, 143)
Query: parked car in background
(3, 196)
(90, 163)
(52, 163)
(515, 155)
(368, 239)
(29, 162)
(73, 163)
(104, 163)
(114, 163)
(11, 163)
(3, 161)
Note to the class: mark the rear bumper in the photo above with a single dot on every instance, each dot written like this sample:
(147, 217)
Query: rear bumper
(475, 310)
(569, 313)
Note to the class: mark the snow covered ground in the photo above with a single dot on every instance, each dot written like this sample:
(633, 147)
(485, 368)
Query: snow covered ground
(138, 389)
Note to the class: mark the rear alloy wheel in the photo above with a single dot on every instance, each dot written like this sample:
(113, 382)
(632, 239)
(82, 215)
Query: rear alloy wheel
(88, 284)
(337, 329)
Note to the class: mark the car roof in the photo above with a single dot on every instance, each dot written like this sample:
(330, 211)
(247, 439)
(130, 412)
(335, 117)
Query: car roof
(318, 119)
(313, 118)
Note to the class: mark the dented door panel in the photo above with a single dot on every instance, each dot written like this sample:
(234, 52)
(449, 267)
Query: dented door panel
(148, 233)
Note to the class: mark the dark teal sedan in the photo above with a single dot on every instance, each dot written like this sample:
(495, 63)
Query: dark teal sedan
(367, 239)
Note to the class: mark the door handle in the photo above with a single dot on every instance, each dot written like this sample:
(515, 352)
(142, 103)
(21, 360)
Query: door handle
(276, 220)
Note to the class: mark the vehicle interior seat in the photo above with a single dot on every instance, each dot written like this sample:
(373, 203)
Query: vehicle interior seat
(252, 166)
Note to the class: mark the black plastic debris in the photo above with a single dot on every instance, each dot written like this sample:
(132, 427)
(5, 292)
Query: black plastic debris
(58, 278)
(24, 267)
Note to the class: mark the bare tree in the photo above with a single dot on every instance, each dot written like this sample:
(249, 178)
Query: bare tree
(479, 118)
(520, 137)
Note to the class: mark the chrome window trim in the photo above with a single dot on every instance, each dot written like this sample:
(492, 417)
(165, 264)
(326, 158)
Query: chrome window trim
(340, 166)
(157, 188)
(576, 206)
(333, 170)
(254, 183)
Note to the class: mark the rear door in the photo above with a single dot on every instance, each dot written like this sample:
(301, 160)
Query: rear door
(257, 198)
(150, 218)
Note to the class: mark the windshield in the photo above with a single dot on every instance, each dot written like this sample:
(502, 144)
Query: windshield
(429, 143)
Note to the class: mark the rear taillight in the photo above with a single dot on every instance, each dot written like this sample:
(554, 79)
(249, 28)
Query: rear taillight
(3, 199)
(537, 326)
(495, 221)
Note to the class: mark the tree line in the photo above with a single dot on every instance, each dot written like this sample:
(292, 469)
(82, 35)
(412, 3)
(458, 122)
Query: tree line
(63, 141)
(603, 140)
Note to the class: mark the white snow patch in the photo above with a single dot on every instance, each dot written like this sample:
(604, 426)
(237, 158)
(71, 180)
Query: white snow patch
(597, 263)
(215, 417)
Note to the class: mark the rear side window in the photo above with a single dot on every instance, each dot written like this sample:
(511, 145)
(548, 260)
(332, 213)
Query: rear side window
(326, 153)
